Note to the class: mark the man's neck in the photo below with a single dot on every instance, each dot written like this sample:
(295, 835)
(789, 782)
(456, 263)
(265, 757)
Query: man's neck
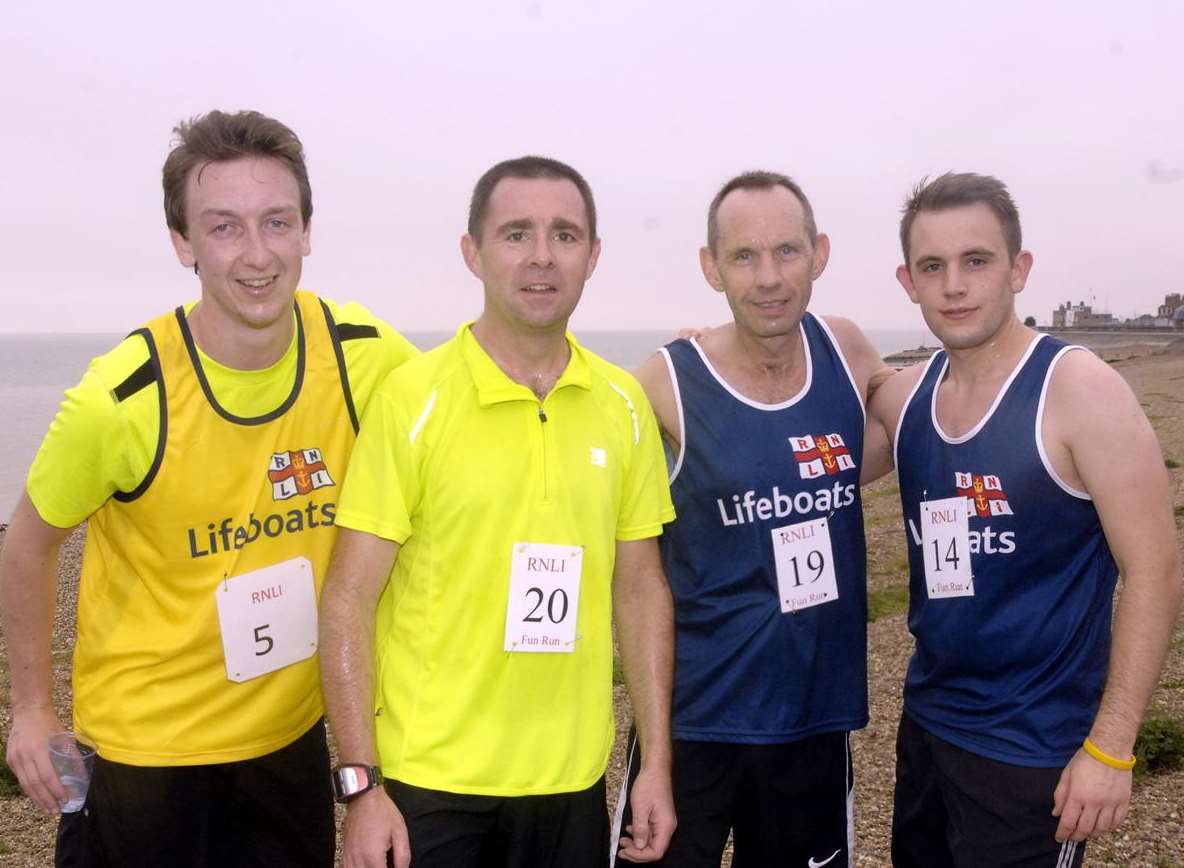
(992, 360)
(535, 358)
(240, 347)
(766, 369)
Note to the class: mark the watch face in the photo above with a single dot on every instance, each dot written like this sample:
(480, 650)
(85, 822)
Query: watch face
(350, 780)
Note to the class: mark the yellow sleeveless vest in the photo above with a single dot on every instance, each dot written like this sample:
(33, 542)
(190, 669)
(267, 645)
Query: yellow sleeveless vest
(150, 679)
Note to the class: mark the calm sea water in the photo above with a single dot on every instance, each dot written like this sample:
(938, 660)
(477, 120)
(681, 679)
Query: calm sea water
(36, 369)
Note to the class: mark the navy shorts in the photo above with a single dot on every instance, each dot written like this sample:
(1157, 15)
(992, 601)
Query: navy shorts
(785, 804)
(956, 809)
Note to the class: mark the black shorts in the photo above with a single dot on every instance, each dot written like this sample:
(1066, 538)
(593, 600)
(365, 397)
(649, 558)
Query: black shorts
(455, 830)
(275, 809)
(785, 804)
(956, 809)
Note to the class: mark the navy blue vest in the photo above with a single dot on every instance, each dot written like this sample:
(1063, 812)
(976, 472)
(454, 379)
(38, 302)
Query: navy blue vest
(1015, 672)
(744, 671)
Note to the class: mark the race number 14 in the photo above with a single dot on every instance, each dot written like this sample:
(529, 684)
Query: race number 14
(945, 547)
(542, 609)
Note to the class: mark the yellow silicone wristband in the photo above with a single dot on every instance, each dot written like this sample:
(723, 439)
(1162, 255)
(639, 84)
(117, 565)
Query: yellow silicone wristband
(1105, 758)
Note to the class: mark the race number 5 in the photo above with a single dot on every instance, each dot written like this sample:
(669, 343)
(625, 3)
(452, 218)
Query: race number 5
(805, 565)
(263, 639)
(268, 618)
(945, 548)
(542, 608)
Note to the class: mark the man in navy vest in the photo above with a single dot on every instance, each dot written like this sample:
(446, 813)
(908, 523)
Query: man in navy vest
(1029, 479)
(764, 418)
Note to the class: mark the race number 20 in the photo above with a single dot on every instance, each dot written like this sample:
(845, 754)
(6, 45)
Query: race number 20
(544, 597)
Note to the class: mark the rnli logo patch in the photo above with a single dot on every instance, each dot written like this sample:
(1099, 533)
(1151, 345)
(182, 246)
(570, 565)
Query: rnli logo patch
(984, 494)
(297, 472)
(821, 455)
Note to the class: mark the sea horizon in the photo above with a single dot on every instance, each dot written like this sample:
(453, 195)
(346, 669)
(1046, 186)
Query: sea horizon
(36, 368)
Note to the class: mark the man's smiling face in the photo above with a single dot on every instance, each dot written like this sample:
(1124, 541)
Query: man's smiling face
(247, 239)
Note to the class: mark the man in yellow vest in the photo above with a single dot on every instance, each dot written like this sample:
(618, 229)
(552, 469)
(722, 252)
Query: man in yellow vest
(205, 452)
(503, 506)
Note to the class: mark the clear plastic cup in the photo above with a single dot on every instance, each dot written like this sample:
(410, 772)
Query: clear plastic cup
(74, 761)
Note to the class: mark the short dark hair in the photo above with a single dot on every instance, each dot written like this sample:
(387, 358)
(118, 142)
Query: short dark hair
(956, 190)
(526, 167)
(757, 180)
(218, 137)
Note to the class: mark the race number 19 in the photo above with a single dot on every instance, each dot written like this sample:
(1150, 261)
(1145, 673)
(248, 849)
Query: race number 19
(544, 597)
(945, 548)
(805, 565)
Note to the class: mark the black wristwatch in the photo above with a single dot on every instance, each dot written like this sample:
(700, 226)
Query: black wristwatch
(350, 780)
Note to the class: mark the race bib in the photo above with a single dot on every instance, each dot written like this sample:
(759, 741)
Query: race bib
(544, 597)
(945, 548)
(268, 618)
(805, 565)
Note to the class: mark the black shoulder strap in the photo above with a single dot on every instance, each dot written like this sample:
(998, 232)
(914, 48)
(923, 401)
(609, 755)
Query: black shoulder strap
(145, 375)
(148, 373)
(348, 331)
(344, 332)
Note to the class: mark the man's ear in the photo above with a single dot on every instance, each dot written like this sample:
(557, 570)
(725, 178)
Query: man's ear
(710, 269)
(593, 259)
(821, 255)
(182, 248)
(906, 280)
(470, 250)
(1020, 269)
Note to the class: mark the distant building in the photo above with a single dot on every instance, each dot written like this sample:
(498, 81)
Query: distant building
(1169, 315)
(1080, 316)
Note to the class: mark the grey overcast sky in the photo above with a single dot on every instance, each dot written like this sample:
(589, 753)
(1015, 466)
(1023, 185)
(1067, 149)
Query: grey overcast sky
(1079, 107)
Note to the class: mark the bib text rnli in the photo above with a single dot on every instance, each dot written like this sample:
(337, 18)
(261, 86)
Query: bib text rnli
(749, 508)
(226, 535)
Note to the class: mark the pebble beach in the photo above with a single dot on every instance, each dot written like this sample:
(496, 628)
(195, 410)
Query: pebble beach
(1153, 834)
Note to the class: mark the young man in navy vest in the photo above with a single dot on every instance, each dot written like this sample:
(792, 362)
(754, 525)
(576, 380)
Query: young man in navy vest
(764, 418)
(1030, 480)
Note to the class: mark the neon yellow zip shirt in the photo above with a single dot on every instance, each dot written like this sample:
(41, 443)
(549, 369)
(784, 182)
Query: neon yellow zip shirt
(458, 464)
(151, 684)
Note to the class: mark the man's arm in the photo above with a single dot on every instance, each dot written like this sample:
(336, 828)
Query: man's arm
(1091, 416)
(883, 413)
(28, 591)
(357, 575)
(644, 614)
(867, 367)
(870, 375)
(654, 376)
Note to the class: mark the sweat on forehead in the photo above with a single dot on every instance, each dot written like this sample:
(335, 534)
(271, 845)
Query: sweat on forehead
(758, 180)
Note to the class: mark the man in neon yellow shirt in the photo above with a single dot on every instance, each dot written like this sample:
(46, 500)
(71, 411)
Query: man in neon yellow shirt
(503, 506)
(205, 452)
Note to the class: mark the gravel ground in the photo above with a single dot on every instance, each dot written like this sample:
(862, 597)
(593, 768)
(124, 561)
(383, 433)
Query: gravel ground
(1153, 835)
